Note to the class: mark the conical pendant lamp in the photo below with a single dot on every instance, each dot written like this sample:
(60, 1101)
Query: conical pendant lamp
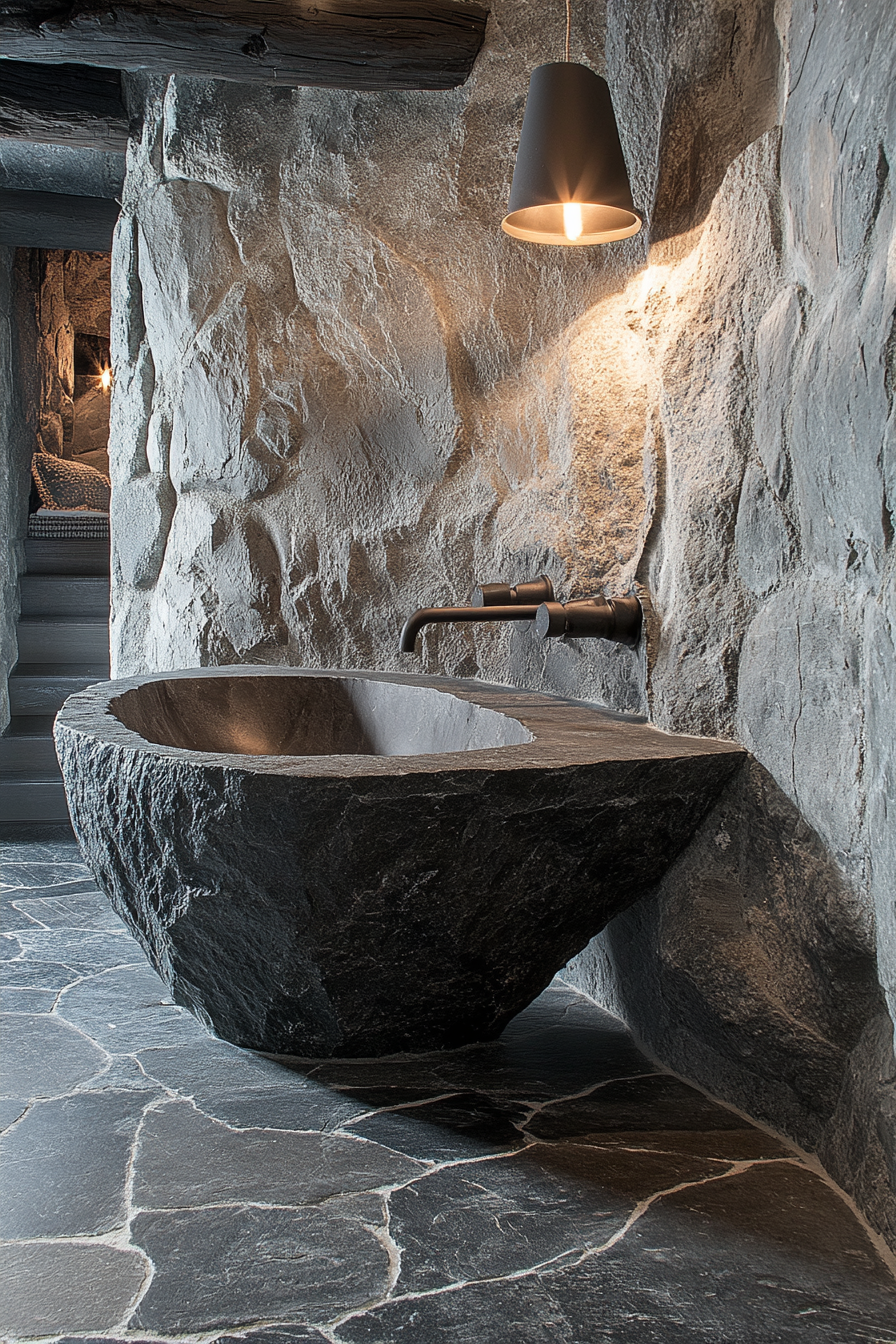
(570, 186)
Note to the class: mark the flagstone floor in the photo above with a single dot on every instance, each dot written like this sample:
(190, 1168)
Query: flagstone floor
(553, 1187)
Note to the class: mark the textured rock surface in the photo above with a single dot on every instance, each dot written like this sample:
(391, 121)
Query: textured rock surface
(361, 904)
(724, 940)
(343, 392)
(15, 457)
(10, 539)
(552, 1187)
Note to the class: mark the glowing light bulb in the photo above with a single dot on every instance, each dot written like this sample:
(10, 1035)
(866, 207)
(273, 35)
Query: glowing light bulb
(106, 379)
(572, 220)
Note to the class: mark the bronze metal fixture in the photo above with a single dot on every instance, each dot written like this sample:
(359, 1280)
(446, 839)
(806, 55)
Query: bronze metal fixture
(444, 615)
(520, 594)
(616, 618)
(491, 602)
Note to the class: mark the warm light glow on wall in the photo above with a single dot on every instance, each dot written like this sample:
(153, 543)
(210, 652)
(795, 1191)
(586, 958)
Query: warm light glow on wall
(106, 379)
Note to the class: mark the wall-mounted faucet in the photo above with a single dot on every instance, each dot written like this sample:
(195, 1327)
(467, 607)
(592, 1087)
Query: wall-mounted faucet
(492, 602)
(617, 618)
(521, 594)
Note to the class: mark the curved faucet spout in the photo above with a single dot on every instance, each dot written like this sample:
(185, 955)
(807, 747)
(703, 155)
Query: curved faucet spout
(445, 615)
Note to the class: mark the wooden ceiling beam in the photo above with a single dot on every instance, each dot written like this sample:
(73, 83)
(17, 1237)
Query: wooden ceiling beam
(44, 219)
(62, 105)
(343, 44)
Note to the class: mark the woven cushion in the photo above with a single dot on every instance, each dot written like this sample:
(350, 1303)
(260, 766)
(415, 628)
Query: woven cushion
(69, 485)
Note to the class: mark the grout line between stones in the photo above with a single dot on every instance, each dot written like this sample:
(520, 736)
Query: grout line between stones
(587, 1253)
(806, 1159)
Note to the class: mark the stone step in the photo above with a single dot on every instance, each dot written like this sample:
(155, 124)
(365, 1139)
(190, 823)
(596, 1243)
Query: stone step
(79, 640)
(32, 800)
(27, 750)
(69, 555)
(64, 595)
(43, 688)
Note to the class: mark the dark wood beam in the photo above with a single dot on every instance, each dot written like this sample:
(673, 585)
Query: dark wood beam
(43, 219)
(343, 44)
(62, 105)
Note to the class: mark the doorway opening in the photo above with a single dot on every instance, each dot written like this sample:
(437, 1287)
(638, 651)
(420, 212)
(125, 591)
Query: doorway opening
(62, 301)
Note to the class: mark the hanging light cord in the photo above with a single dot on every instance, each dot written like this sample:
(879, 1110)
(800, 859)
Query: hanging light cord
(568, 25)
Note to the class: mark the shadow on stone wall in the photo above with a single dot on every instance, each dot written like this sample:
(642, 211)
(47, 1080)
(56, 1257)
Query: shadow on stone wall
(751, 969)
(709, 120)
(695, 85)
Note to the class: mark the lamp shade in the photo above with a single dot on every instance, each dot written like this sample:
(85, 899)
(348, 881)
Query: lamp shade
(570, 186)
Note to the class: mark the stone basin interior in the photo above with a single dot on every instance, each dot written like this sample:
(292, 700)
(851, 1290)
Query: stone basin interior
(311, 716)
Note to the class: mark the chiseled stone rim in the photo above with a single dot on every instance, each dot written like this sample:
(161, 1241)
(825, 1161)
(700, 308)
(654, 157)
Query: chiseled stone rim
(564, 732)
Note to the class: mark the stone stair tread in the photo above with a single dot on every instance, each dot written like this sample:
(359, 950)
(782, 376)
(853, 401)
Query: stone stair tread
(94, 622)
(42, 688)
(62, 640)
(29, 756)
(74, 556)
(60, 671)
(49, 595)
(32, 800)
(30, 726)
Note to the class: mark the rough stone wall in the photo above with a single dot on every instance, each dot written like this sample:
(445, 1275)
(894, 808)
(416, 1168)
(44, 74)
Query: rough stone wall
(772, 334)
(10, 544)
(18, 382)
(88, 291)
(53, 408)
(342, 392)
(60, 293)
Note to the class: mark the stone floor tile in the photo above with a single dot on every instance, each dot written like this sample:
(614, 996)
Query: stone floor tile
(762, 1256)
(64, 1167)
(30, 875)
(517, 1311)
(51, 1287)
(731, 1145)
(11, 1110)
(549, 1050)
(463, 1125)
(771, 1254)
(507, 1215)
(210, 1065)
(52, 975)
(186, 1160)
(120, 1072)
(495, 1069)
(75, 910)
(40, 851)
(81, 949)
(128, 1009)
(655, 1102)
(10, 947)
(11, 917)
(44, 1057)
(226, 1267)
(273, 1334)
(16, 903)
(27, 999)
(436, 1219)
(293, 1103)
(100, 1339)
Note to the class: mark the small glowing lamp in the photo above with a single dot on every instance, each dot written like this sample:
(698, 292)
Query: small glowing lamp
(106, 379)
(570, 184)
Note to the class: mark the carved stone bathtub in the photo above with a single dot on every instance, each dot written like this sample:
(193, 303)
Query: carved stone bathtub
(357, 863)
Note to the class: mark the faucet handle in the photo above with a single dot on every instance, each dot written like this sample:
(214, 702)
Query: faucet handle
(616, 618)
(512, 595)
